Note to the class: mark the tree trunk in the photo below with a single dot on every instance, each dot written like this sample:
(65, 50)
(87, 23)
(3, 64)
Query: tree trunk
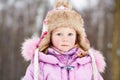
(115, 42)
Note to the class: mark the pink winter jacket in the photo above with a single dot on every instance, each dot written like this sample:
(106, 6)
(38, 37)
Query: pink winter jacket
(53, 66)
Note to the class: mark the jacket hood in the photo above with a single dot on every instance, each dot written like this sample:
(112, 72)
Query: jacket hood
(29, 46)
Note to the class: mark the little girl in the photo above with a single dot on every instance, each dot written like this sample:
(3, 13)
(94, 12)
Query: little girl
(63, 51)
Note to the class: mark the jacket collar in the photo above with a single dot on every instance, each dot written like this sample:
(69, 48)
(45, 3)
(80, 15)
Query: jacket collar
(51, 59)
(58, 52)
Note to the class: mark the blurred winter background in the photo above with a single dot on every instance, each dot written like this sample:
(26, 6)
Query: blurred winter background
(20, 19)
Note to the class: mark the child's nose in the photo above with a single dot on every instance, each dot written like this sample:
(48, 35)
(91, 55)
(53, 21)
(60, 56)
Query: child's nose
(65, 38)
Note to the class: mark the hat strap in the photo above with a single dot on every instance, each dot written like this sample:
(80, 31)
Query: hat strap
(36, 64)
(94, 66)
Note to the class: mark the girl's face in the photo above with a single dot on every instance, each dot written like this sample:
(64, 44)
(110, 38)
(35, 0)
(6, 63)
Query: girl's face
(63, 38)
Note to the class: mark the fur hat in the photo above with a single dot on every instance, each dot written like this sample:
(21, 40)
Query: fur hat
(62, 15)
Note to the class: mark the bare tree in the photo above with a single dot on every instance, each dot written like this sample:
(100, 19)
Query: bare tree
(115, 42)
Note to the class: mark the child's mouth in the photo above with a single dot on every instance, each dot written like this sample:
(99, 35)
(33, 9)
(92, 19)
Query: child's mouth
(64, 45)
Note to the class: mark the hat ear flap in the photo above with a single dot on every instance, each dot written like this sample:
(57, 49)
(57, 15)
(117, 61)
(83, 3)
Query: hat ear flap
(44, 32)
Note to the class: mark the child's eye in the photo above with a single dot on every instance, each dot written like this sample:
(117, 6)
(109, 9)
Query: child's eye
(70, 34)
(58, 34)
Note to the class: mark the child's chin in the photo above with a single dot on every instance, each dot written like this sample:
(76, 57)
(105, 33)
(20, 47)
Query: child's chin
(65, 50)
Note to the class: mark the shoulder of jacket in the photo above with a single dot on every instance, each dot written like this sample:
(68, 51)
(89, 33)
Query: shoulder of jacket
(99, 59)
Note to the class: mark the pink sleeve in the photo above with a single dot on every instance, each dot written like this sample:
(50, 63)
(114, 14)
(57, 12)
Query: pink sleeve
(100, 77)
(29, 75)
